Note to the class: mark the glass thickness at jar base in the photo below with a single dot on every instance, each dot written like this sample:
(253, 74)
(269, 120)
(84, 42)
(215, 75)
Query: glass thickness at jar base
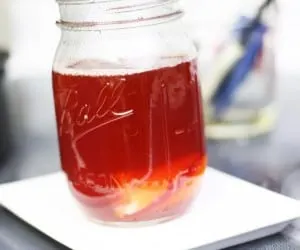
(136, 224)
(132, 145)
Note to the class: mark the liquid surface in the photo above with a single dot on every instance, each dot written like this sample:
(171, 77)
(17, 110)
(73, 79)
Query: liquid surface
(132, 146)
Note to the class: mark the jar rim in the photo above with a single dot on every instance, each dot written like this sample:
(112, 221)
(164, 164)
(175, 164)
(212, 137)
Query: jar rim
(119, 5)
(134, 2)
(99, 14)
(83, 26)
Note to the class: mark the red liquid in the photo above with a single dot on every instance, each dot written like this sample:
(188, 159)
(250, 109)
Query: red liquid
(132, 146)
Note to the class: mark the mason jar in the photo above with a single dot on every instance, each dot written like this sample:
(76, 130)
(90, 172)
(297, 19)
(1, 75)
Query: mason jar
(128, 109)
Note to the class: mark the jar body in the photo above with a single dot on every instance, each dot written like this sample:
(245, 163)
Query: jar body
(129, 120)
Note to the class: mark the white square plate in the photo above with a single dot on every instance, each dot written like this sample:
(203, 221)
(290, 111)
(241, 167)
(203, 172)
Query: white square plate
(228, 211)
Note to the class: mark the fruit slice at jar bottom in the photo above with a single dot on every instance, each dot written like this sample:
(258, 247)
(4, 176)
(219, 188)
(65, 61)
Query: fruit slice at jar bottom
(138, 199)
(144, 202)
(187, 190)
(147, 204)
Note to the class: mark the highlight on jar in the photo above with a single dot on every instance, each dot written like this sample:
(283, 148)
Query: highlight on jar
(239, 86)
(129, 116)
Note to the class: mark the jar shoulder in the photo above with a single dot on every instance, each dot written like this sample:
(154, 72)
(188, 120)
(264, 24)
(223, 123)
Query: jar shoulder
(128, 48)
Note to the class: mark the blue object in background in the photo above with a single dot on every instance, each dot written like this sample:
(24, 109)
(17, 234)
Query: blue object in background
(237, 75)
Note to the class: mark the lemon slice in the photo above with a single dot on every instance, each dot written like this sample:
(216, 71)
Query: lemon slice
(138, 199)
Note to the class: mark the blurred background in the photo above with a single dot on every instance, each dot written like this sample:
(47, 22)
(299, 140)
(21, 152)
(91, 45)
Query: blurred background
(258, 136)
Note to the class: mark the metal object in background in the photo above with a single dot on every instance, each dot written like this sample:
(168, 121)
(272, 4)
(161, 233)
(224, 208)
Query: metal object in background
(239, 86)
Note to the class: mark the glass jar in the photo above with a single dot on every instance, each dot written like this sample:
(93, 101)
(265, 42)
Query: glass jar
(238, 70)
(128, 109)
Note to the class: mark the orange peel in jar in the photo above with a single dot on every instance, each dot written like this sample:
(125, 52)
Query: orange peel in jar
(151, 197)
(185, 191)
(138, 199)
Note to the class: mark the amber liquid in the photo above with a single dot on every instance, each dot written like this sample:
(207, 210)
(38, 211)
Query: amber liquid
(132, 145)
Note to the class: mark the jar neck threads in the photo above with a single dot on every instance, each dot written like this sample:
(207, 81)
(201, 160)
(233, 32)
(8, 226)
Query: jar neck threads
(93, 15)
